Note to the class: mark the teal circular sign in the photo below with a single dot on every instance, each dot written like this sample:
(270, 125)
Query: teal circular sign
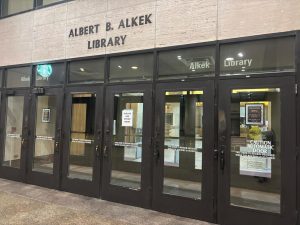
(44, 70)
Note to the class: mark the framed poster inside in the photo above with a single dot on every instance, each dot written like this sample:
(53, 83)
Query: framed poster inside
(254, 114)
(46, 115)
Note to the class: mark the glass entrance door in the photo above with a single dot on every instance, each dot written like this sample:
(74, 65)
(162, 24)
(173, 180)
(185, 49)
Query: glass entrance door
(15, 134)
(126, 151)
(257, 152)
(45, 143)
(83, 134)
(184, 149)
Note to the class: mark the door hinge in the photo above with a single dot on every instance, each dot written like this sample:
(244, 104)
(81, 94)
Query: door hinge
(296, 89)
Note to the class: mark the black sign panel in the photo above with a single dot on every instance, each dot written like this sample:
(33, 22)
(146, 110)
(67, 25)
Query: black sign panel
(254, 114)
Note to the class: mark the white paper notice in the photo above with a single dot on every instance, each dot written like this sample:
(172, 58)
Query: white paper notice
(127, 118)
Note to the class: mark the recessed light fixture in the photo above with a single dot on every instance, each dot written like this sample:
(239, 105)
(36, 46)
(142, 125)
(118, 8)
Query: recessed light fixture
(240, 54)
(120, 67)
(229, 59)
(82, 69)
(179, 57)
(134, 67)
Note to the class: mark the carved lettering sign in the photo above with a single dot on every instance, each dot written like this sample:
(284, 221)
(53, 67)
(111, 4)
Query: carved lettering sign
(119, 40)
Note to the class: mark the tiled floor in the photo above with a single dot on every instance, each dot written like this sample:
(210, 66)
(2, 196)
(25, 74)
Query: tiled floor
(27, 204)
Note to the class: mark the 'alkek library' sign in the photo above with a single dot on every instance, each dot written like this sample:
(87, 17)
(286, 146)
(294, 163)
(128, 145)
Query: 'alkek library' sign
(110, 41)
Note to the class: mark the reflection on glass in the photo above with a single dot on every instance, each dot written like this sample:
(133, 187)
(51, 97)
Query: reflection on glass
(255, 149)
(183, 143)
(131, 68)
(184, 63)
(45, 134)
(14, 123)
(87, 71)
(127, 140)
(276, 54)
(47, 2)
(49, 74)
(18, 77)
(14, 6)
(82, 136)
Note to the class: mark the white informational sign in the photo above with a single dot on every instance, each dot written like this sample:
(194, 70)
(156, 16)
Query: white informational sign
(255, 159)
(46, 115)
(127, 118)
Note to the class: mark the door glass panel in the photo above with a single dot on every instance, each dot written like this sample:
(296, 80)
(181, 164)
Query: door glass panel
(82, 136)
(183, 143)
(14, 124)
(126, 156)
(45, 134)
(255, 149)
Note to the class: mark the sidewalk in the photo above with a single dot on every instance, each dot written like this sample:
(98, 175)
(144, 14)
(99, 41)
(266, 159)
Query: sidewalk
(28, 204)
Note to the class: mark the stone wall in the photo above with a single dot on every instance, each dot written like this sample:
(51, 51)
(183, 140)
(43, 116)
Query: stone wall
(43, 35)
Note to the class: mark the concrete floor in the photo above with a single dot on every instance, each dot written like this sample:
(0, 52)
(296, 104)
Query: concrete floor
(24, 204)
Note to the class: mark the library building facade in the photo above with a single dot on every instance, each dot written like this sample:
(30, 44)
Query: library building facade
(188, 107)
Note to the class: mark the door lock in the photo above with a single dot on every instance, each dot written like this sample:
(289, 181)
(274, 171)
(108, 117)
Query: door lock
(105, 151)
(222, 157)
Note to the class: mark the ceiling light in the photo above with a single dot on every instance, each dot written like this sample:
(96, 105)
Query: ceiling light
(134, 67)
(240, 54)
(179, 57)
(82, 69)
(183, 80)
(120, 67)
(229, 59)
(193, 70)
(243, 70)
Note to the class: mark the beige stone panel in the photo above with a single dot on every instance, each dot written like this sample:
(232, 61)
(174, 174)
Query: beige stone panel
(113, 4)
(53, 14)
(16, 39)
(78, 46)
(239, 18)
(83, 8)
(138, 37)
(49, 42)
(181, 22)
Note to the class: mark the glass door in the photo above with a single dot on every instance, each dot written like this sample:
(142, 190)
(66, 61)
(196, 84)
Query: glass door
(45, 143)
(126, 153)
(184, 149)
(15, 134)
(82, 143)
(257, 152)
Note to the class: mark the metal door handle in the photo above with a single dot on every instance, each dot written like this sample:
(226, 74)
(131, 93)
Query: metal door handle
(222, 157)
(57, 146)
(105, 151)
(97, 151)
(156, 151)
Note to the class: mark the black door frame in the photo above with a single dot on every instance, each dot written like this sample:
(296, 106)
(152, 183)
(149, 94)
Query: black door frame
(39, 178)
(79, 186)
(199, 209)
(141, 197)
(17, 174)
(233, 215)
